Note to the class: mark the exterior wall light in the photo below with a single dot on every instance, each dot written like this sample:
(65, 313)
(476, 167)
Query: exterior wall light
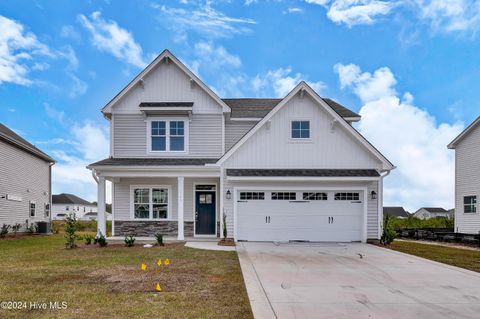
(374, 195)
(228, 195)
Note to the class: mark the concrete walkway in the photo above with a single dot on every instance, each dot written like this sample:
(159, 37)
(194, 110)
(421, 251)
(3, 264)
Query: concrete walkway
(353, 281)
(208, 245)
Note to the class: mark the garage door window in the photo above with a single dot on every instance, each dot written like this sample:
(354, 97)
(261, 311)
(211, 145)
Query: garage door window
(252, 195)
(315, 196)
(284, 196)
(347, 196)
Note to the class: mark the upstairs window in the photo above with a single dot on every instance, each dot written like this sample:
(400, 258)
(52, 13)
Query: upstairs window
(32, 209)
(168, 135)
(300, 129)
(470, 204)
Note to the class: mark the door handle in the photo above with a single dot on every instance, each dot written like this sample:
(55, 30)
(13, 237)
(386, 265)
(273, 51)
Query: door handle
(196, 216)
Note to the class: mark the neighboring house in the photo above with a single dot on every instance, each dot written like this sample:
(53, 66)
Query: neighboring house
(25, 181)
(279, 169)
(396, 211)
(64, 204)
(432, 212)
(467, 179)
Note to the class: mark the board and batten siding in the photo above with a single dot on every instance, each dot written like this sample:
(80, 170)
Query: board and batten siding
(130, 136)
(467, 181)
(372, 204)
(272, 147)
(235, 130)
(25, 176)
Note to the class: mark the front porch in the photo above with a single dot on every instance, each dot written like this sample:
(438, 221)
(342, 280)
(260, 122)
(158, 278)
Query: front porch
(149, 203)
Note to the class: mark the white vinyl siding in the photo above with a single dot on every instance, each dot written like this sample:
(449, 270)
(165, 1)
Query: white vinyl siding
(235, 130)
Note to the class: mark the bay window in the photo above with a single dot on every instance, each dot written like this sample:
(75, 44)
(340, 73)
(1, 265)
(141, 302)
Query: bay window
(150, 202)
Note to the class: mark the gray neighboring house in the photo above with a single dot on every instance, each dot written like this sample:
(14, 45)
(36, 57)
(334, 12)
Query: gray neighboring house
(395, 211)
(432, 212)
(285, 169)
(25, 181)
(467, 179)
(63, 204)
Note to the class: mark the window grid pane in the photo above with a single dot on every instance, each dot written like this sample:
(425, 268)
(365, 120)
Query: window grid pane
(252, 196)
(315, 196)
(470, 204)
(283, 196)
(347, 196)
(300, 129)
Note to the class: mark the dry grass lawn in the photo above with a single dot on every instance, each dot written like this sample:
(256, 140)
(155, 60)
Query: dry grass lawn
(109, 283)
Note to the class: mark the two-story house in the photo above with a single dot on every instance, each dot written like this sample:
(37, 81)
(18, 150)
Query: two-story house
(279, 169)
(467, 178)
(65, 204)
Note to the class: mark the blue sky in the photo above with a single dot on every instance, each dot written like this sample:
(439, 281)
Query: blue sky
(410, 67)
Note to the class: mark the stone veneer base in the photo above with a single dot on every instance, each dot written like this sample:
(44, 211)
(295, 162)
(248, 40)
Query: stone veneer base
(150, 228)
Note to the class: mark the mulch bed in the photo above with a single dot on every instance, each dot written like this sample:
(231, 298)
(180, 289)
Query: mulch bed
(228, 242)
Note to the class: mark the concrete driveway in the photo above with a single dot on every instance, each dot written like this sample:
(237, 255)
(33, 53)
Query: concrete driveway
(322, 280)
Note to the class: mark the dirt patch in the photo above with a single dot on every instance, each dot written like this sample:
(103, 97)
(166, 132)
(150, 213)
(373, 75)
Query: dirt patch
(21, 235)
(228, 242)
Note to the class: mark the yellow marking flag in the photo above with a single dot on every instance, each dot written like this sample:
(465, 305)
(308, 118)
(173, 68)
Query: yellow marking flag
(158, 288)
(159, 262)
(167, 262)
(143, 266)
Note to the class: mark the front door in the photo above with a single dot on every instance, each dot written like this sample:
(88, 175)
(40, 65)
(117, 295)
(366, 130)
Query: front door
(204, 213)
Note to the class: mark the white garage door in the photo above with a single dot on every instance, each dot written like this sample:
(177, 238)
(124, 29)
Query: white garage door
(299, 215)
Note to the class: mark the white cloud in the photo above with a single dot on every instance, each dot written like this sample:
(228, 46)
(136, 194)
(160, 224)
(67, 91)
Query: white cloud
(78, 87)
(408, 135)
(216, 56)
(280, 82)
(109, 37)
(68, 31)
(293, 10)
(202, 19)
(18, 50)
(54, 114)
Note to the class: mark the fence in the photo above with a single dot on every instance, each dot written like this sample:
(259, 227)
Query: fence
(439, 234)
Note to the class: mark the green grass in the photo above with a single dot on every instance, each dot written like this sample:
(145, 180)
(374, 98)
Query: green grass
(464, 258)
(108, 282)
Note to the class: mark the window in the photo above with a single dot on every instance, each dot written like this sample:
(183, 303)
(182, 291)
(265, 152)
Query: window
(168, 136)
(301, 129)
(347, 196)
(84, 209)
(470, 204)
(32, 209)
(315, 196)
(150, 203)
(205, 199)
(67, 208)
(252, 196)
(284, 196)
(47, 210)
(205, 187)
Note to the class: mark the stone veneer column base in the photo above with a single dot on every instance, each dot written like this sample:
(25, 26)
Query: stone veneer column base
(149, 228)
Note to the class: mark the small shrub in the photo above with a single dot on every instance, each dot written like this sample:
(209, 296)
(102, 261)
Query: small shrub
(4, 230)
(224, 226)
(389, 233)
(101, 240)
(16, 228)
(159, 238)
(70, 230)
(89, 239)
(32, 228)
(129, 241)
(56, 226)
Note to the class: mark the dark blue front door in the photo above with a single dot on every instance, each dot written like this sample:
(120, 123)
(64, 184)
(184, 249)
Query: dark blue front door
(204, 213)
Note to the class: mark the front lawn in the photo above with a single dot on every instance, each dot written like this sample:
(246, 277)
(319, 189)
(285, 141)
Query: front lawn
(464, 258)
(109, 283)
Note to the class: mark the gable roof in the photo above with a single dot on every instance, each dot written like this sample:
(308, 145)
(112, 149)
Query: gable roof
(465, 132)
(9, 136)
(395, 211)
(260, 107)
(435, 209)
(69, 199)
(304, 86)
(166, 54)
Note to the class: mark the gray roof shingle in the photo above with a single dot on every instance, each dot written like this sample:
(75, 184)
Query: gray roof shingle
(395, 211)
(166, 104)
(16, 140)
(154, 162)
(259, 107)
(302, 172)
(69, 199)
(435, 209)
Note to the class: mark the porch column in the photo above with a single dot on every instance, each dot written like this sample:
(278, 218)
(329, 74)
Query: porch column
(180, 207)
(102, 226)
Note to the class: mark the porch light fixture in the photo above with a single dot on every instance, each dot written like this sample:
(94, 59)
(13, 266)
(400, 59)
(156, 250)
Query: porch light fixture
(228, 195)
(374, 195)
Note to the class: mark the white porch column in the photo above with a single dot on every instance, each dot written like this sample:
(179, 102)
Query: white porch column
(102, 226)
(181, 180)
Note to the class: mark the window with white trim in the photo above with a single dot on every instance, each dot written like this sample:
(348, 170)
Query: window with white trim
(300, 130)
(284, 196)
(32, 208)
(315, 196)
(47, 210)
(347, 196)
(168, 135)
(470, 204)
(252, 195)
(150, 203)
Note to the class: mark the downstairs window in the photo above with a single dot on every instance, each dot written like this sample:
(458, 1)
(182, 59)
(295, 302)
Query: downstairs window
(150, 202)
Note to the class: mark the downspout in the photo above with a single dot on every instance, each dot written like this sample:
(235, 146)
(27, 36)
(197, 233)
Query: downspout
(383, 174)
(94, 175)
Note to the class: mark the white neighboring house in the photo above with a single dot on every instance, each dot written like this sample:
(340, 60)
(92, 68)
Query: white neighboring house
(25, 181)
(64, 204)
(279, 169)
(432, 212)
(467, 179)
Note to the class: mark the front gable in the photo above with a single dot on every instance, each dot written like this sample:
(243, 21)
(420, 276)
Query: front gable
(330, 144)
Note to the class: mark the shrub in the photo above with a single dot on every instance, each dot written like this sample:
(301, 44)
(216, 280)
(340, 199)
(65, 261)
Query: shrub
(32, 228)
(129, 241)
(4, 230)
(414, 222)
(224, 226)
(101, 240)
(56, 226)
(159, 238)
(70, 230)
(89, 239)
(389, 233)
(16, 228)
